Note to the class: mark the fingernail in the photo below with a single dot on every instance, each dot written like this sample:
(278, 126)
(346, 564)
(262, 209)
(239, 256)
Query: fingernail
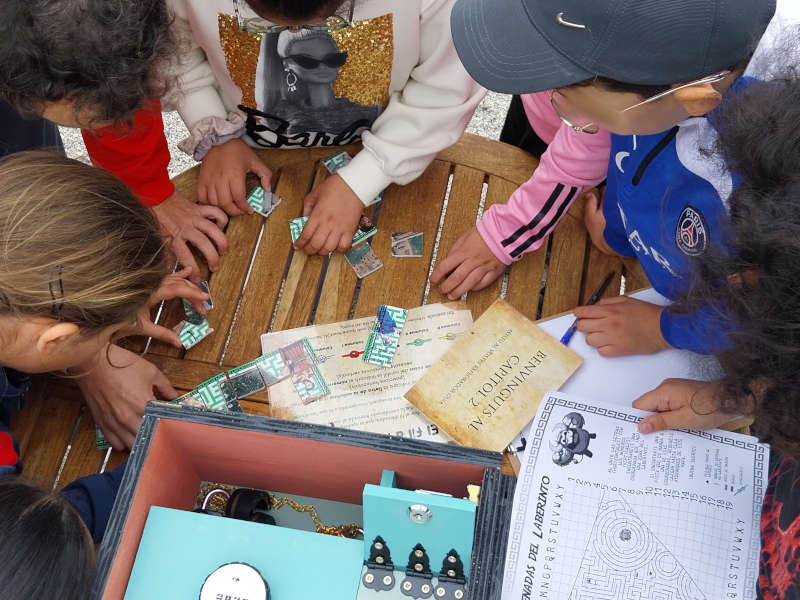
(645, 427)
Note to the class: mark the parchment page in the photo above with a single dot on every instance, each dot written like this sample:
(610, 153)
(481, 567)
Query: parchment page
(368, 397)
(601, 511)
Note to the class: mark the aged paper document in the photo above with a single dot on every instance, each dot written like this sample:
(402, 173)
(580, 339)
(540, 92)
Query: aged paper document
(368, 397)
(487, 387)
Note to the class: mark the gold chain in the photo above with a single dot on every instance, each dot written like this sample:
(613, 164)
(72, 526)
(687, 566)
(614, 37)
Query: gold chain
(348, 531)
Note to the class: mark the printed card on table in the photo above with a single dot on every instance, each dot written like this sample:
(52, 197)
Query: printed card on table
(407, 244)
(262, 201)
(363, 260)
(385, 335)
(487, 387)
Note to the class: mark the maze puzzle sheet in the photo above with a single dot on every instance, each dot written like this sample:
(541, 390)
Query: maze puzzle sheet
(602, 512)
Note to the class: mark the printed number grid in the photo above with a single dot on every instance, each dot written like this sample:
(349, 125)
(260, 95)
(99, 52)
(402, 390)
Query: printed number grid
(699, 540)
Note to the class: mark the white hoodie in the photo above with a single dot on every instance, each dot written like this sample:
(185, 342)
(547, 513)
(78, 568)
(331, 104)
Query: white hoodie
(393, 78)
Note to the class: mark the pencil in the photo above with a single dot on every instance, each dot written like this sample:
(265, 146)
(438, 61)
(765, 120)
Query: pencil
(593, 300)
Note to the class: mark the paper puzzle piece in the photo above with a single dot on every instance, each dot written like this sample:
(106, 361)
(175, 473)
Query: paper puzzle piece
(337, 161)
(365, 229)
(363, 260)
(407, 244)
(262, 201)
(190, 334)
(100, 441)
(624, 560)
(192, 316)
(307, 379)
(213, 395)
(208, 304)
(385, 335)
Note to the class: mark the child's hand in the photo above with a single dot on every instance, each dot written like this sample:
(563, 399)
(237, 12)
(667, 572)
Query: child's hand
(470, 265)
(175, 285)
(681, 404)
(333, 212)
(117, 385)
(595, 220)
(620, 326)
(185, 223)
(222, 177)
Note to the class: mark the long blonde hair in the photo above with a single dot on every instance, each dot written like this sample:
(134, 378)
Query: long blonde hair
(75, 244)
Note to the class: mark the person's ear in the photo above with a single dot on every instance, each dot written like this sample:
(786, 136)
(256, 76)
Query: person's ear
(53, 335)
(699, 100)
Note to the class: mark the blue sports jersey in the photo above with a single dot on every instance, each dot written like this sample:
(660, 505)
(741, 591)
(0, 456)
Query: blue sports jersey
(666, 204)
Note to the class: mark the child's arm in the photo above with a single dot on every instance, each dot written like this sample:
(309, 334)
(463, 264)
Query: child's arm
(93, 498)
(214, 133)
(429, 114)
(506, 232)
(139, 157)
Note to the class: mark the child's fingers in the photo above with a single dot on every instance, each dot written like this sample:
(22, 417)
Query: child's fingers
(262, 171)
(200, 241)
(345, 242)
(163, 385)
(186, 260)
(591, 325)
(590, 312)
(470, 281)
(599, 339)
(215, 234)
(331, 243)
(656, 400)
(202, 192)
(487, 280)
(214, 214)
(225, 198)
(163, 334)
(445, 267)
(211, 195)
(239, 195)
(307, 234)
(662, 421)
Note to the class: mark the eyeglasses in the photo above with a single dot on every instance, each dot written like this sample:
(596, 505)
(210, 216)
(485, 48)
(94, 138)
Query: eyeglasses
(334, 60)
(588, 128)
(260, 25)
(592, 128)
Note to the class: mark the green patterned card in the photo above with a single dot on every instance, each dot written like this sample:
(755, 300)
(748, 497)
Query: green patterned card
(385, 335)
(262, 201)
(190, 334)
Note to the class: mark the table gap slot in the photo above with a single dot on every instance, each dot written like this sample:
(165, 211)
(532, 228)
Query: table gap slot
(275, 180)
(426, 292)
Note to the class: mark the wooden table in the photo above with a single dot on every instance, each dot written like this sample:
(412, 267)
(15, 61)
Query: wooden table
(263, 285)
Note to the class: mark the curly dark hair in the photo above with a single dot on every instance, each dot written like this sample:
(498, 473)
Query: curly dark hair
(756, 282)
(297, 10)
(102, 55)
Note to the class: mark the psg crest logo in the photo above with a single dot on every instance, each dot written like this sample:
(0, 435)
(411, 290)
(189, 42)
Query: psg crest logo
(691, 236)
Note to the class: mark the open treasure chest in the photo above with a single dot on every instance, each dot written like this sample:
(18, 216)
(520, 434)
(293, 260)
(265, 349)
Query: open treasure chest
(227, 506)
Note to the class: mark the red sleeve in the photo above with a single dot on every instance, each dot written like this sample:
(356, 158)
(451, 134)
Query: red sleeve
(138, 156)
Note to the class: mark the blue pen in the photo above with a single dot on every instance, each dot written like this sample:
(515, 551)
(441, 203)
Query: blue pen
(593, 300)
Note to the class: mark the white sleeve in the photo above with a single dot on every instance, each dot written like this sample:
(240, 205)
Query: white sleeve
(428, 115)
(196, 94)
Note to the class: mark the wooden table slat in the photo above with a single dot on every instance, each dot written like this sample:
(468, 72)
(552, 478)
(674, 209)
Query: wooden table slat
(565, 271)
(462, 208)
(491, 157)
(411, 208)
(269, 266)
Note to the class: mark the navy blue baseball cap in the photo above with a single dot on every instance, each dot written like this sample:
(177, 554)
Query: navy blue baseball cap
(523, 46)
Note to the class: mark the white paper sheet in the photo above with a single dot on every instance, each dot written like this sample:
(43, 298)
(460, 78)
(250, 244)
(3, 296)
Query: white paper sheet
(368, 397)
(622, 380)
(630, 517)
